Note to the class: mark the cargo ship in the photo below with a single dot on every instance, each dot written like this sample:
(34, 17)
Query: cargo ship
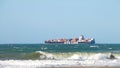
(80, 40)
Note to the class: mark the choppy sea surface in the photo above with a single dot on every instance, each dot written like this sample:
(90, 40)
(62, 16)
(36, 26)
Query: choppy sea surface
(57, 55)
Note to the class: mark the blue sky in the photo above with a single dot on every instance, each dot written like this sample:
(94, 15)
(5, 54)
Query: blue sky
(33, 21)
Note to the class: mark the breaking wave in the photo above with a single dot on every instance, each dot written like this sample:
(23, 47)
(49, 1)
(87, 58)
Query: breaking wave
(40, 55)
(40, 59)
(51, 60)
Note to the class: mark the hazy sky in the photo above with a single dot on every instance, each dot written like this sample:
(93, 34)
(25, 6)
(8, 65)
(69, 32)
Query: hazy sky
(33, 21)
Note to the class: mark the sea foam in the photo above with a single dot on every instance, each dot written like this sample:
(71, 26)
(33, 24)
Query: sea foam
(56, 63)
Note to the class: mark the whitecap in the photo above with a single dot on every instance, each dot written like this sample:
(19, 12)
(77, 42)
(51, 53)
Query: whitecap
(110, 48)
(95, 46)
(75, 56)
(98, 56)
(45, 55)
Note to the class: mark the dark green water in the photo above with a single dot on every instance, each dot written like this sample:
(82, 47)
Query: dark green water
(31, 51)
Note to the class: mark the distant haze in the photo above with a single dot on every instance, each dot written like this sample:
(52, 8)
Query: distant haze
(33, 21)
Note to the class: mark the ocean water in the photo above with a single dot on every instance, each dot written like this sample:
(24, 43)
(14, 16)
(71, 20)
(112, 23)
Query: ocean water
(56, 55)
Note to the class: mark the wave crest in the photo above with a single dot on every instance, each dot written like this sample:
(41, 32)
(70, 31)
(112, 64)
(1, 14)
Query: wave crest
(72, 55)
(44, 55)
